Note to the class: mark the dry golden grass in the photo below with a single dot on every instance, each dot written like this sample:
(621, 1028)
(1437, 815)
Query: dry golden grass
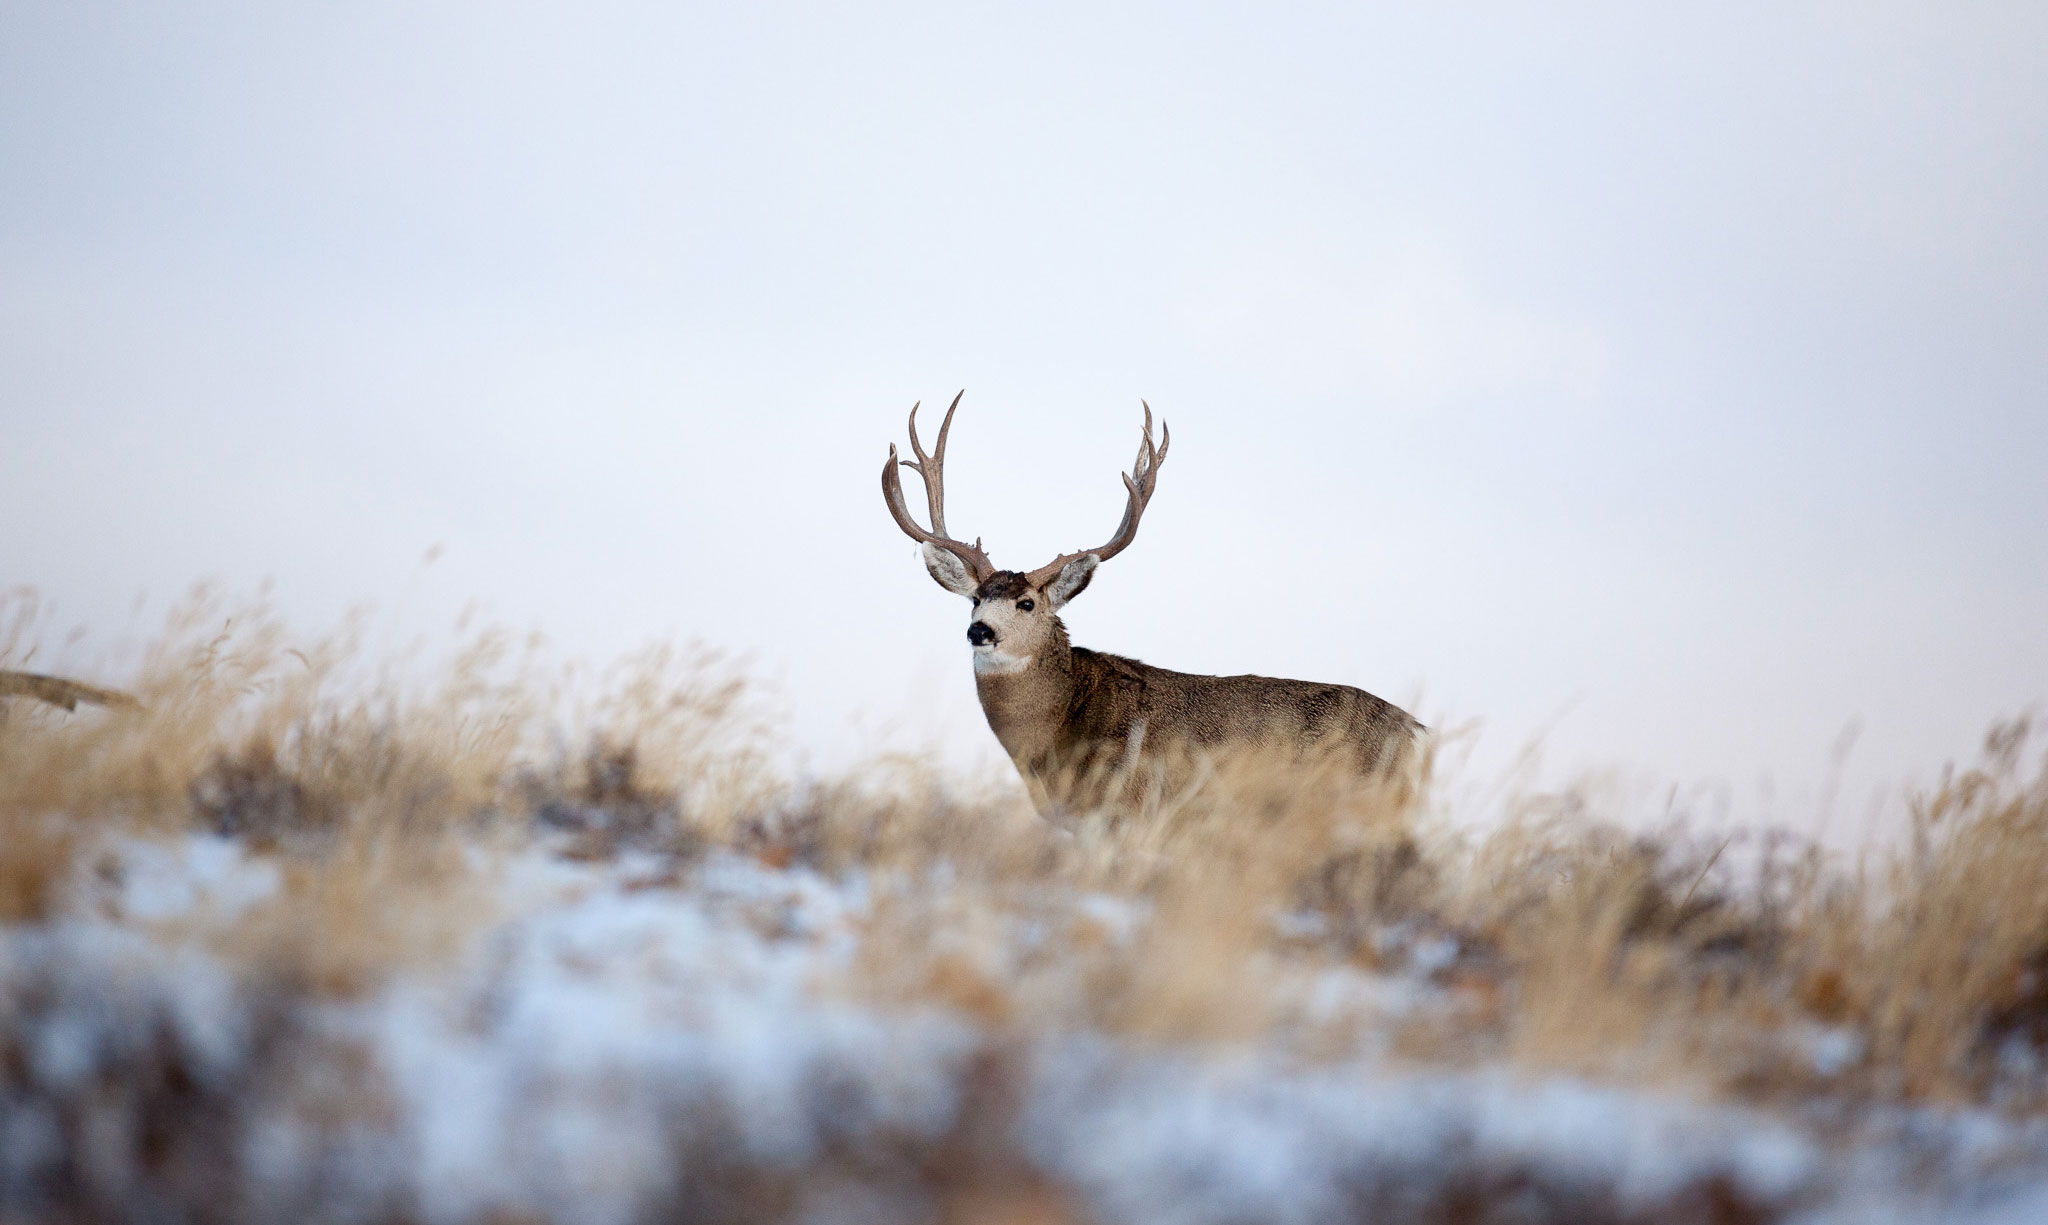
(1556, 942)
(1937, 953)
(36, 851)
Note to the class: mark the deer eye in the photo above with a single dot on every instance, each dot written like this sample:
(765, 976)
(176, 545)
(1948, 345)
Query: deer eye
(1025, 606)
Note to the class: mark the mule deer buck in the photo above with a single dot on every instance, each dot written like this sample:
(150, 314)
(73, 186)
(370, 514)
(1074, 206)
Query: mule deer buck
(1084, 727)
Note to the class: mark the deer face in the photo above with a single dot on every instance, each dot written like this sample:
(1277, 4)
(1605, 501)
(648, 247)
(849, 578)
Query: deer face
(1013, 613)
(1012, 620)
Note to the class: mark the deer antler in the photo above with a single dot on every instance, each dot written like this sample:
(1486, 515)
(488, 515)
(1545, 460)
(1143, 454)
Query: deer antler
(1139, 484)
(932, 469)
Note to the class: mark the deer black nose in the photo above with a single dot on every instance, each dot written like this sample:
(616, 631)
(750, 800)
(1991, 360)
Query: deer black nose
(980, 634)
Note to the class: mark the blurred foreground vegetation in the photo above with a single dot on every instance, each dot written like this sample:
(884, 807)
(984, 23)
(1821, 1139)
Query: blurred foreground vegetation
(1319, 923)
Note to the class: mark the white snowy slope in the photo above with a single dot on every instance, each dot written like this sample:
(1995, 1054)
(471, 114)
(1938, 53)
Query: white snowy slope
(637, 1038)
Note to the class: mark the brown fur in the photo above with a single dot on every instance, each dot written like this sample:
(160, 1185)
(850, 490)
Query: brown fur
(1002, 585)
(1071, 722)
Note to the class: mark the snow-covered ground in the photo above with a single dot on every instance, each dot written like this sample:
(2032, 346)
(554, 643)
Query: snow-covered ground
(644, 1038)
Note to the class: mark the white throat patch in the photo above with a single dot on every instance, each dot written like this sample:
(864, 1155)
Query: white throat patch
(991, 661)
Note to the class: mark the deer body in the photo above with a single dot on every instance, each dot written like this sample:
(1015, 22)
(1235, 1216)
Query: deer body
(1086, 728)
(1089, 717)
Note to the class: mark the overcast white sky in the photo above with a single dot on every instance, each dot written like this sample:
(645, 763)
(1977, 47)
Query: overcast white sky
(1673, 379)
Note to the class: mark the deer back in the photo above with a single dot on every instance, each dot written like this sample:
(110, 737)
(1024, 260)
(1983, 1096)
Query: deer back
(1131, 719)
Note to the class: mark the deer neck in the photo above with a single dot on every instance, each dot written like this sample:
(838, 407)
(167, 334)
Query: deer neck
(1027, 704)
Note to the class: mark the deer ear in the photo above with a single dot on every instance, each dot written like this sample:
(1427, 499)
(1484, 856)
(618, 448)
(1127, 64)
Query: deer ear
(949, 571)
(1073, 579)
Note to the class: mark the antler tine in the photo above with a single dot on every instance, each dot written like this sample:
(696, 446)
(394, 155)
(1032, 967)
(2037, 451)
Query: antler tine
(931, 469)
(1139, 483)
(1146, 466)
